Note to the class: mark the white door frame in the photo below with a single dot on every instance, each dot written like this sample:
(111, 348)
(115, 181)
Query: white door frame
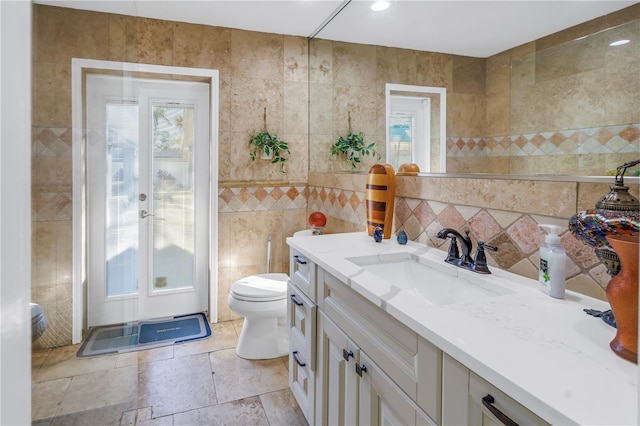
(79, 282)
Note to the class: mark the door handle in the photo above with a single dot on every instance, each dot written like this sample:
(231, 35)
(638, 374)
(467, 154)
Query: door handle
(144, 213)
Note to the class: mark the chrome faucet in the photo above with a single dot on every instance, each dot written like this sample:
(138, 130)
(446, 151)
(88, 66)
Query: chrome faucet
(462, 257)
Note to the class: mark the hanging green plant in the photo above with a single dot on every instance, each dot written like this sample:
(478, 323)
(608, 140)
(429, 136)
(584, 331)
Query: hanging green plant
(353, 148)
(266, 145)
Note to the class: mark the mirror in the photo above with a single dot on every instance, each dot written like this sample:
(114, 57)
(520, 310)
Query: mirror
(415, 125)
(570, 109)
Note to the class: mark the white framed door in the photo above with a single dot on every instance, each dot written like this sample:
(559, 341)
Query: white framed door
(147, 198)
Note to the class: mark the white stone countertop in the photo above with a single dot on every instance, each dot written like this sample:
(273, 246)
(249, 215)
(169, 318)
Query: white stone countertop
(546, 353)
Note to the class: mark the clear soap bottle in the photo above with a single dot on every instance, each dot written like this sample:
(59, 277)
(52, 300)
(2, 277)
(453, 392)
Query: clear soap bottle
(552, 263)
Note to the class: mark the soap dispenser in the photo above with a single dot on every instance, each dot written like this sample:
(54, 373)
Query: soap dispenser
(552, 263)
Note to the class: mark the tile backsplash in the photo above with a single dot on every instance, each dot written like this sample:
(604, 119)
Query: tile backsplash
(495, 217)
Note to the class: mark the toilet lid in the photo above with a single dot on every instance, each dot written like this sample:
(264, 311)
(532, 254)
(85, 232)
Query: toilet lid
(261, 288)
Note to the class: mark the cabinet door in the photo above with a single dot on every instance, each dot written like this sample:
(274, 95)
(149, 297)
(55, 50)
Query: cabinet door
(382, 402)
(490, 406)
(469, 399)
(338, 391)
(301, 319)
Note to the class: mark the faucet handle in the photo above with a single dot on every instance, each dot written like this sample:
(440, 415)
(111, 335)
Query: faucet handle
(483, 245)
(480, 259)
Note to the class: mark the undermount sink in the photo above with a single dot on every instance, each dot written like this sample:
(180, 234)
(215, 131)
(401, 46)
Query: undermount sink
(436, 285)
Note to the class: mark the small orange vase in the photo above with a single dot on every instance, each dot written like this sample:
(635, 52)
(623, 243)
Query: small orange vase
(622, 292)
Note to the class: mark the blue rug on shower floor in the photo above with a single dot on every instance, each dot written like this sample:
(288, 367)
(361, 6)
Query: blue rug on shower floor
(120, 338)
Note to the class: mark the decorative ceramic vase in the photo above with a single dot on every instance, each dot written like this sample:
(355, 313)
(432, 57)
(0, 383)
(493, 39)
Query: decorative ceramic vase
(380, 197)
(622, 292)
(377, 234)
(318, 221)
(402, 237)
(408, 169)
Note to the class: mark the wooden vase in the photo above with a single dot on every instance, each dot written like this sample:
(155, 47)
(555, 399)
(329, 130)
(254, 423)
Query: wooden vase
(379, 197)
(622, 292)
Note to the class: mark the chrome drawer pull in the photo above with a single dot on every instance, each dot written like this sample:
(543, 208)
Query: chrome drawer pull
(295, 356)
(294, 300)
(299, 260)
(488, 401)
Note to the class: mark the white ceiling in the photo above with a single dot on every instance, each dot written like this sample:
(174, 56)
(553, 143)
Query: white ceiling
(471, 28)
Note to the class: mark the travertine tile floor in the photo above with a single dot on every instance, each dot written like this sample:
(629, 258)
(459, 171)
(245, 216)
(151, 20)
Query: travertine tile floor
(195, 383)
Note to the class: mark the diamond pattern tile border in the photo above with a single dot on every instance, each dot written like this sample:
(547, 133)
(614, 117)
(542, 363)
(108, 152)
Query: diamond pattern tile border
(602, 140)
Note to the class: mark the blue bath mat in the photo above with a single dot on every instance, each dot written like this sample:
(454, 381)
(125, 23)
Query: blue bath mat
(120, 338)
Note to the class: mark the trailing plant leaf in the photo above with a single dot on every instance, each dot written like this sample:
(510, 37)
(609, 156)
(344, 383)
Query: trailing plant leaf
(268, 143)
(352, 148)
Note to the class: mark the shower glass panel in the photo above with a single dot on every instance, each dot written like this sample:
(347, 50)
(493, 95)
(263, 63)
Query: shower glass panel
(173, 196)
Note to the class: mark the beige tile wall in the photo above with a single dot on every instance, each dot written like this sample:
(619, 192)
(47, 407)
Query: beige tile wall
(256, 70)
(348, 78)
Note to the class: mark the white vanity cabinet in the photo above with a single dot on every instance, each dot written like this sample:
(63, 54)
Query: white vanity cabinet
(351, 363)
(301, 320)
(379, 368)
(373, 352)
(469, 399)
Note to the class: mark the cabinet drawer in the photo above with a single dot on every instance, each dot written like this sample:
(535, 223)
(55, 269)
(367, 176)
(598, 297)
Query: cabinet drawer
(301, 317)
(411, 362)
(303, 274)
(301, 379)
(484, 412)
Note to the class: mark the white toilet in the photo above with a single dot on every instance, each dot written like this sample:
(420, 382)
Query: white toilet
(262, 301)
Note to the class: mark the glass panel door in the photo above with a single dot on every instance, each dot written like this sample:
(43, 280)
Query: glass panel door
(122, 240)
(173, 196)
(148, 202)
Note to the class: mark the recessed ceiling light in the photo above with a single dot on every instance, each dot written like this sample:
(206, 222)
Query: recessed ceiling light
(379, 5)
(619, 42)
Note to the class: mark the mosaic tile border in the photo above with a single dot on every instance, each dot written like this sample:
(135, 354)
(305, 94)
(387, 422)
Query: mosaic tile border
(262, 198)
(510, 231)
(338, 203)
(599, 140)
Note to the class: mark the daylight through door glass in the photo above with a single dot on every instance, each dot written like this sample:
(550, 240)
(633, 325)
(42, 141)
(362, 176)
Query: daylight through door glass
(122, 199)
(401, 135)
(173, 196)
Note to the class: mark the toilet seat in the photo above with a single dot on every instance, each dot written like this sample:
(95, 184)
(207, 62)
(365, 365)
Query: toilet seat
(261, 288)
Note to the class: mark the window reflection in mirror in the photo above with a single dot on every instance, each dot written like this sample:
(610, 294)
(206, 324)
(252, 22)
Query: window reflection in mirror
(415, 122)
